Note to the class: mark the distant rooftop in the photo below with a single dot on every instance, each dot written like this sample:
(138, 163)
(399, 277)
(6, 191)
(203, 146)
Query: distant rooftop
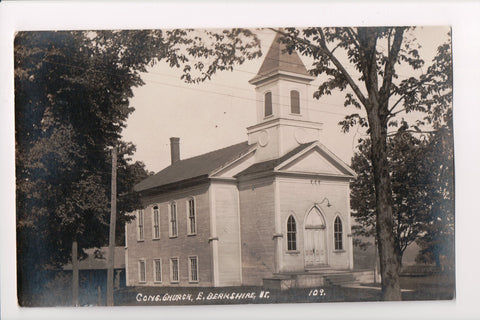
(97, 259)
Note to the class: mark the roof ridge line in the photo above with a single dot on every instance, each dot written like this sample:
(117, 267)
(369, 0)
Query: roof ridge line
(216, 150)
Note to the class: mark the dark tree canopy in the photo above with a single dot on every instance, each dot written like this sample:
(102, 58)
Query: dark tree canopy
(416, 171)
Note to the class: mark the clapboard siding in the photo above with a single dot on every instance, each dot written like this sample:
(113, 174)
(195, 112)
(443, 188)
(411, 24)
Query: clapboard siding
(297, 197)
(165, 248)
(258, 226)
(228, 231)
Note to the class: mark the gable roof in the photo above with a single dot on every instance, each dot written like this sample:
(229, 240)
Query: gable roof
(199, 166)
(269, 165)
(278, 59)
(326, 154)
(277, 165)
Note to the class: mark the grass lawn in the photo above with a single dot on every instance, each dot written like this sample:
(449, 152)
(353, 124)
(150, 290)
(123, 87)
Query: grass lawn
(417, 287)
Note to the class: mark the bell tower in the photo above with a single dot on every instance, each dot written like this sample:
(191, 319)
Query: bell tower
(282, 94)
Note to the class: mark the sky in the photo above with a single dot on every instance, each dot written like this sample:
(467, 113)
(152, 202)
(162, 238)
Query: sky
(216, 113)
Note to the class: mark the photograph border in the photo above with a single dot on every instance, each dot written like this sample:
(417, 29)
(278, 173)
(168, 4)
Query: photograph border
(149, 15)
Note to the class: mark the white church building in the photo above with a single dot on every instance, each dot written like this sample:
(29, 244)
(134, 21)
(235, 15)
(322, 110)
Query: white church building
(273, 210)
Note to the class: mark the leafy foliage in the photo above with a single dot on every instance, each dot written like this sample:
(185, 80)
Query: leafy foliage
(409, 190)
(438, 239)
(421, 168)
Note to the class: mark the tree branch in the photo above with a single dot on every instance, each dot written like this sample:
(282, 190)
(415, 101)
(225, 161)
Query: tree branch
(334, 60)
(390, 134)
(397, 112)
(389, 65)
(354, 38)
(342, 69)
(411, 90)
(392, 114)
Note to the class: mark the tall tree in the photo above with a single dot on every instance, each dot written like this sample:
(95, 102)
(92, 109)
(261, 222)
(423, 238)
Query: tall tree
(364, 62)
(438, 239)
(409, 190)
(439, 236)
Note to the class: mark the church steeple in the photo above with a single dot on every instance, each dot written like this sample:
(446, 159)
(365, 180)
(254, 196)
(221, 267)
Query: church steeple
(281, 86)
(278, 61)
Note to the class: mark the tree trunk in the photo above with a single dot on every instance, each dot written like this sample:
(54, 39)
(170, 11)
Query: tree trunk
(75, 273)
(389, 268)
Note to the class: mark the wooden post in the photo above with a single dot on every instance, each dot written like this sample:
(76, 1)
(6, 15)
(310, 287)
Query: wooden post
(113, 218)
(75, 273)
(99, 293)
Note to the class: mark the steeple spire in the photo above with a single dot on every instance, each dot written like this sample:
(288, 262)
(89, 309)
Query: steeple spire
(279, 61)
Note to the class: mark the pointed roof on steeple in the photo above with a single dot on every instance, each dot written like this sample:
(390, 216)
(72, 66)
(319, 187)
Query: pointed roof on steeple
(278, 60)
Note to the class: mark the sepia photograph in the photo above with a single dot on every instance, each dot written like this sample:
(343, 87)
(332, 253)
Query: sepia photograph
(238, 162)
(220, 166)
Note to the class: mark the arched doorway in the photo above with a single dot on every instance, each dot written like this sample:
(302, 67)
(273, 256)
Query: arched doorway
(315, 239)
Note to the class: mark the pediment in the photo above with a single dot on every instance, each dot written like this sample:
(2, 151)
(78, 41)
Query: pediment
(316, 160)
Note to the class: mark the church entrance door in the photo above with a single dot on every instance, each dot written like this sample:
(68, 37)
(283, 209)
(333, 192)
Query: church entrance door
(315, 242)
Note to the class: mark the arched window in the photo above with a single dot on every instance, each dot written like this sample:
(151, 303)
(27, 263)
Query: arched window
(338, 234)
(291, 234)
(268, 104)
(295, 102)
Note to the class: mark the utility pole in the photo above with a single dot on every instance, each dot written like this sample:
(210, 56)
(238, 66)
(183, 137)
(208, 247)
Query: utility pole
(75, 273)
(113, 218)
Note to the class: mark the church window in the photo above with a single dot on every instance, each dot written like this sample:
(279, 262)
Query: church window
(173, 220)
(141, 270)
(157, 270)
(156, 223)
(191, 221)
(193, 269)
(295, 102)
(174, 272)
(291, 234)
(140, 225)
(268, 104)
(338, 234)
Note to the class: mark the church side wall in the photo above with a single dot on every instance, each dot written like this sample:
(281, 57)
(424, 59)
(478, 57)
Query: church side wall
(297, 197)
(257, 227)
(182, 247)
(228, 231)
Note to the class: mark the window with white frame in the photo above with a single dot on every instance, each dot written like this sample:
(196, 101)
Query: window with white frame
(291, 234)
(174, 271)
(156, 223)
(141, 271)
(338, 233)
(193, 269)
(191, 221)
(157, 270)
(173, 220)
(140, 221)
